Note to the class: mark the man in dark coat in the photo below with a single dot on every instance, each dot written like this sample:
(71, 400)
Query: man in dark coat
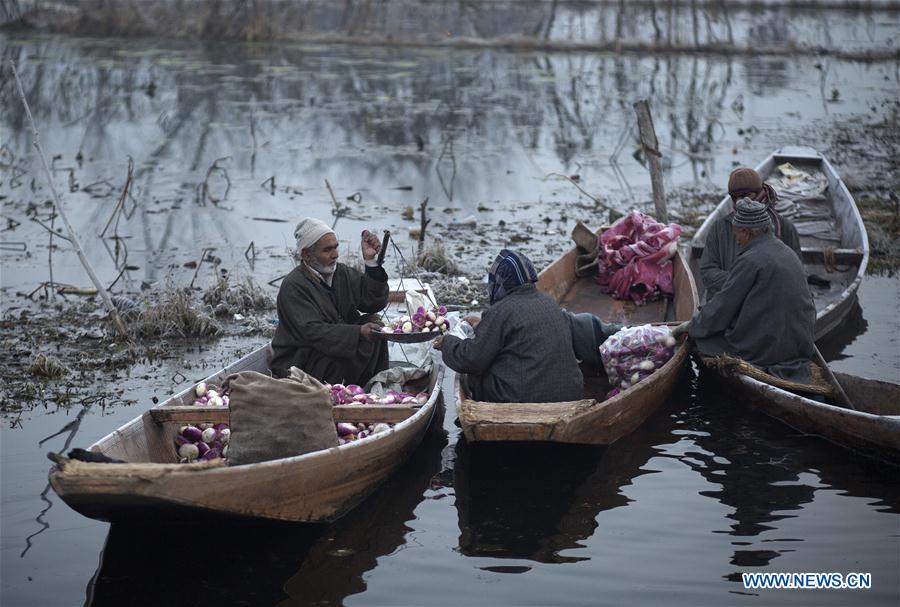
(320, 329)
(764, 312)
(720, 251)
(522, 349)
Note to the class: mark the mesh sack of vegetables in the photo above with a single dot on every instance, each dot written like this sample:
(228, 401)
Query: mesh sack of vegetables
(633, 353)
(275, 418)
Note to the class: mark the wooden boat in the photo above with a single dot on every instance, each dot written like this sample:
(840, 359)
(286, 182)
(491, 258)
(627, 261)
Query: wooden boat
(592, 420)
(842, 261)
(871, 428)
(314, 487)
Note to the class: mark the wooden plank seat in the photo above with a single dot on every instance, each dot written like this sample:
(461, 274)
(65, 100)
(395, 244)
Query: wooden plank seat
(185, 414)
(814, 254)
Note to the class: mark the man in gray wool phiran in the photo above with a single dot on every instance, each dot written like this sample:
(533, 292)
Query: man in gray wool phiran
(721, 250)
(764, 312)
(320, 329)
(522, 349)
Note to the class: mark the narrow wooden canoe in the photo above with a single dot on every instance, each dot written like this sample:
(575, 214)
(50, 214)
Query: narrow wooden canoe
(843, 260)
(592, 420)
(872, 429)
(314, 487)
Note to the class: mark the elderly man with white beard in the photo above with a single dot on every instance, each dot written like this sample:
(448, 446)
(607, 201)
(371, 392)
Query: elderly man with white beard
(321, 328)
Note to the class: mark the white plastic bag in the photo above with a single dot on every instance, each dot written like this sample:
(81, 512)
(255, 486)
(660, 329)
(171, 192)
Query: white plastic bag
(415, 300)
(458, 328)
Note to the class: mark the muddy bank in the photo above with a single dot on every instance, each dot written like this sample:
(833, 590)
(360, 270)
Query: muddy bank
(867, 152)
(757, 28)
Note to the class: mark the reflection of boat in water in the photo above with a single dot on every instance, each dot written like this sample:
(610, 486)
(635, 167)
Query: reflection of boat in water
(263, 563)
(832, 234)
(766, 473)
(832, 345)
(871, 426)
(747, 464)
(521, 502)
(318, 486)
(535, 501)
(236, 564)
(334, 566)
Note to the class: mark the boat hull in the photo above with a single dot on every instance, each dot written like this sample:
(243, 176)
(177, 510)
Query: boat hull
(315, 487)
(589, 421)
(873, 429)
(585, 422)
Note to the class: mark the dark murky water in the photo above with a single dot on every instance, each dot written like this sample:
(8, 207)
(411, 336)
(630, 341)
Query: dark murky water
(672, 514)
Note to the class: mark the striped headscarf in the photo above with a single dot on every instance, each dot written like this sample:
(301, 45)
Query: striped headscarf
(746, 182)
(509, 271)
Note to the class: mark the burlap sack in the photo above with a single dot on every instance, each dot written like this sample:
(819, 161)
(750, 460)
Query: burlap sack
(275, 418)
(589, 248)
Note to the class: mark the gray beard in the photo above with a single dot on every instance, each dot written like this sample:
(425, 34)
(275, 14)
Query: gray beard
(324, 270)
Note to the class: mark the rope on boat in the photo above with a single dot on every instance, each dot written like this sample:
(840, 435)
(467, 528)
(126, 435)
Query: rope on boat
(418, 276)
(137, 470)
(729, 366)
(831, 261)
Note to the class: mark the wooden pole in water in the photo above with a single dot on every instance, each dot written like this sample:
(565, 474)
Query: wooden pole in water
(651, 153)
(73, 237)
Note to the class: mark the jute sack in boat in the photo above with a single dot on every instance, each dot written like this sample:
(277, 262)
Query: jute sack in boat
(730, 365)
(275, 418)
(589, 248)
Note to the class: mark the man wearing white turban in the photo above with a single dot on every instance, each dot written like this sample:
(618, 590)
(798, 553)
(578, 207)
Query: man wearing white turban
(320, 326)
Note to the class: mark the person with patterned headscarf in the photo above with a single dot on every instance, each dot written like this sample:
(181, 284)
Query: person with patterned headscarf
(320, 328)
(522, 349)
(720, 249)
(764, 313)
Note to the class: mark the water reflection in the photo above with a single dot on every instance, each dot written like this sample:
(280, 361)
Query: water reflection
(707, 23)
(334, 567)
(536, 501)
(193, 565)
(853, 325)
(262, 563)
(475, 131)
(767, 472)
(196, 102)
(522, 501)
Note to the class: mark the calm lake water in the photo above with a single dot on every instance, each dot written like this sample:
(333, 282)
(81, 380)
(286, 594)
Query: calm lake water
(672, 514)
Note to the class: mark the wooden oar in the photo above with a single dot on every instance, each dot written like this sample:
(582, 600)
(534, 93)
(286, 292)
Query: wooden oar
(838, 390)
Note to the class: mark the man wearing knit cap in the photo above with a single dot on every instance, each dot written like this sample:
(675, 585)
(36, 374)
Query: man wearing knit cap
(764, 312)
(320, 328)
(720, 250)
